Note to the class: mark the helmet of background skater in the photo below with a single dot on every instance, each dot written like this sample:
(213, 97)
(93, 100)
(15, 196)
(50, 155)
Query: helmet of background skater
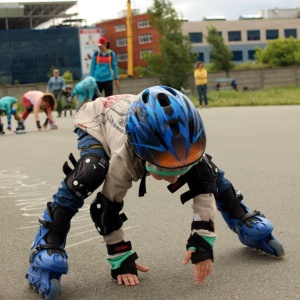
(165, 128)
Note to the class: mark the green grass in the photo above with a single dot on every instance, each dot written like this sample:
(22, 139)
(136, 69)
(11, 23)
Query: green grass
(272, 96)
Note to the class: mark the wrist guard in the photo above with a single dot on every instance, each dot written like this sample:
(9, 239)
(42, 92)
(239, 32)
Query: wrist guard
(203, 248)
(38, 125)
(127, 266)
(123, 264)
(201, 179)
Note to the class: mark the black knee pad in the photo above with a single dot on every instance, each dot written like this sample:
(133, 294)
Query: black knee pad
(29, 108)
(88, 174)
(106, 214)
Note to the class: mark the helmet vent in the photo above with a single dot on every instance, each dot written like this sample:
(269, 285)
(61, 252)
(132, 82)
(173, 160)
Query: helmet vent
(174, 127)
(191, 128)
(145, 97)
(163, 100)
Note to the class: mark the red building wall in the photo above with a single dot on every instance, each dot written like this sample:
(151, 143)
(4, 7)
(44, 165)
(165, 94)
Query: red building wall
(110, 32)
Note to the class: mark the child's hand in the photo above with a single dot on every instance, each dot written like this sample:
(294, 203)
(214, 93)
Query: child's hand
(131, 279)
(202, 268)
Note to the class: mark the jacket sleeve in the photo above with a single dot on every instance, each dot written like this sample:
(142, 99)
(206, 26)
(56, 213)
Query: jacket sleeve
(93, 65)
(115, 65)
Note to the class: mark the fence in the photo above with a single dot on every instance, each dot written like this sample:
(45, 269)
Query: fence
(252, 79)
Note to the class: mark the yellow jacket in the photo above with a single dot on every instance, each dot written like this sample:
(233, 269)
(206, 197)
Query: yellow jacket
(200, 76)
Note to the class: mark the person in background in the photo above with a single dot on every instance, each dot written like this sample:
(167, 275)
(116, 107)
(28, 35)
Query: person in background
(8, 106)
(104, 67)
(35, 101)
(68, 99)
(85, 91)
(200, 75)
(56, 85)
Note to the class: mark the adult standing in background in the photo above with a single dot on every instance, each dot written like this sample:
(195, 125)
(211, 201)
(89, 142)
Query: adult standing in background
(56, 85)
(104, 67)
(200, 75)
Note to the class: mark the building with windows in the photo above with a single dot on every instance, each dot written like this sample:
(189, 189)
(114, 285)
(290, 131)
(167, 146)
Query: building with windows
(144, 37)
(244, 35)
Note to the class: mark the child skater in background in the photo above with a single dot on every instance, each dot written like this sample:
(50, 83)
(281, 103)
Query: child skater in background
(8, 107)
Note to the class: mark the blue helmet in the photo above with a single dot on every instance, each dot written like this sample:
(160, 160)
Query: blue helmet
(165, 128)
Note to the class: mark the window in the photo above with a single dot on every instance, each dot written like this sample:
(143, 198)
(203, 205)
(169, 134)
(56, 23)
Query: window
(253, 35)
(196, 37)
(200, 56)
(251, 54)
(142, 52)
(121, 42)
(145, 38)
(122, 57)
(237, 55)
(290, 32)
(234, 36)
(272, 34)
(121, 27)
(143, 24)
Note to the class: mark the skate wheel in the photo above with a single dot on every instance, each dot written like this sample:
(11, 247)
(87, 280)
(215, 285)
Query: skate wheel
(277, 247)
(55, 287)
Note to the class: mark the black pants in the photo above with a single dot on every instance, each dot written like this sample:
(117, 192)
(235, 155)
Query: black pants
(107, 86)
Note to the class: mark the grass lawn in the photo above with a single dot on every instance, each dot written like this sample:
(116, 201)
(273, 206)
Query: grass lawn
(272, 96)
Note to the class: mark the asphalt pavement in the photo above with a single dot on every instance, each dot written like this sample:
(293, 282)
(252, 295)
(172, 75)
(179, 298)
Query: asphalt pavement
(258, 147)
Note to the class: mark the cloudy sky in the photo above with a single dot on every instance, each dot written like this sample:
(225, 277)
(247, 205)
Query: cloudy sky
(193, 10)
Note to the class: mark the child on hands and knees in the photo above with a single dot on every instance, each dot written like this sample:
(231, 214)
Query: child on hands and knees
(125, 138)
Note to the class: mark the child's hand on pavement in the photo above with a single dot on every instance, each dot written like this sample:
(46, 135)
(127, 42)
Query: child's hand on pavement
(202, 268)
(131, 279)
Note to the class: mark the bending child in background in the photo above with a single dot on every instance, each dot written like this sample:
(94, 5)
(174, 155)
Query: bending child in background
(85, 91)
(35, 101)
(8, 106)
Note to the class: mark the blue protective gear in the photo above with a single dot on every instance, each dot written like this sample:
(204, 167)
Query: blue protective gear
(48, 259)
(252, 228)
(13, 110)
(165, 128)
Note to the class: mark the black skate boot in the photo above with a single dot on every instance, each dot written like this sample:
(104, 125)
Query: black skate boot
(20, 128)
(1, 129)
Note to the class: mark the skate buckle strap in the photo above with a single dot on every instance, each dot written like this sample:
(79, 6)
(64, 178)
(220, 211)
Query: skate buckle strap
(39, 247)
(248, 216)
(58, 228)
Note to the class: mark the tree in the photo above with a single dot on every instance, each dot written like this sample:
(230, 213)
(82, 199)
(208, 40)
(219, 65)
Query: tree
(280, 52)
(220, 53)
(175, 61)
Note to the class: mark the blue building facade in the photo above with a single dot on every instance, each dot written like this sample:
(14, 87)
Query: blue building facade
(27, 56)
